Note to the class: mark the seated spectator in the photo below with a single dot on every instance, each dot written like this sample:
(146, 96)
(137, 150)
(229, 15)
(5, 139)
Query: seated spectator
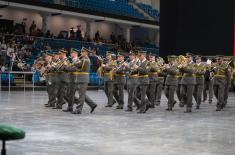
(60, 36)
(48, 34)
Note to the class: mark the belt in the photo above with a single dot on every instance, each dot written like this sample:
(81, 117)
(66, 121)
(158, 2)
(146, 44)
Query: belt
(188, 75)
(81, 73)
(143, 76)
(160, 77)
(175, 76)
(220, 76)
(153, 73)
(107, 73)
(199, 76)
(134, 75)
(119, 74)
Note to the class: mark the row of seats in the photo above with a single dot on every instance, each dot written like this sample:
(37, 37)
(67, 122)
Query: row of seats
(150, 10)
(5, 78)
(118, 7)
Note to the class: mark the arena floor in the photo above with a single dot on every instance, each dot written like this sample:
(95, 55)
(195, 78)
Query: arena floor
(115, 132)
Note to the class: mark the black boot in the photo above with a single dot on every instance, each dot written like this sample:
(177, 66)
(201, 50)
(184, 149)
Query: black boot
(188, 110)
(69, 109)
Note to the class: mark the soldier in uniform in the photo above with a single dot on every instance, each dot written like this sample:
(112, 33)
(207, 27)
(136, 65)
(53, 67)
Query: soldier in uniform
(209, 82)
(220, 77)
(159, 81)
(143, 78)
(171, 81)
(188, 82)
(132, 81)
(50, 81)
(199, 72)
(228, 81)
(153, 77)
(107, 68)
(63, 79)
(119, 80)
(71, 68)
(80, 70)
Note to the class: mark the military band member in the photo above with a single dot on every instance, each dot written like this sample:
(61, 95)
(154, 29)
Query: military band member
(107, 69)
(159, 81)
(143, 78)
(153, 77)
(50, 81)
(188, 82)
(209, 82)
(51, 72)
(119, 80)
(199, 72)
(171, 81)
(81, 80)
(220, 80)
(63, 79)
(132, 81)
(228, 81)
(72, 69)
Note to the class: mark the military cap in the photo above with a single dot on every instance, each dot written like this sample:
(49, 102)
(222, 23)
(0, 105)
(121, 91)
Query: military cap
(109, 53)
(62, 51)
(132, 53)
(197, 57)
(189, 54)
(85, 50)
(171, 56)
(153, 54)
(120, 54)
(74, 50)
(142, 52)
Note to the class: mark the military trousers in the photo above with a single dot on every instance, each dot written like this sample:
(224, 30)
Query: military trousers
(108, 89)
(219, 94)
(52, 91)
(158, 93)
(61, 93)
(198, 90)
(144, 102)
(186, 92)
(131, 88)
(170, 93)
(118, 93)
(208, 87)
(151, 92)
(82, 88)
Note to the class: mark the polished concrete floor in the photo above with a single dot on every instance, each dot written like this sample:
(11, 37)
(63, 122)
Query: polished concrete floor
(115, 132)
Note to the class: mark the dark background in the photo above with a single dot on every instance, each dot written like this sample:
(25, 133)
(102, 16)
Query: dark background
(199, 26)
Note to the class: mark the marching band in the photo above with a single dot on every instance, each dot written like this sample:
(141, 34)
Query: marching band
(145, 76)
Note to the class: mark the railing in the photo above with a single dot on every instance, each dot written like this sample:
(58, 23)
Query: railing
(9, 73)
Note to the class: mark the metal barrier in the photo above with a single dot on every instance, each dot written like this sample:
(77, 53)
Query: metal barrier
(15, 72)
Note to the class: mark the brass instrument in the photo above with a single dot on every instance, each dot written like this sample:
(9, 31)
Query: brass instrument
(181, 61)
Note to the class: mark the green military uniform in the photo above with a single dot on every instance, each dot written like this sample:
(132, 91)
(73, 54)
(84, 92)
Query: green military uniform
(228, 83)
(153, 78)
(109, 81)
(143, 84)
(208, 85)
(132, 83)
(220, 80)
(119, 82)
(199, 72)
(180, 75)
(51, 85)
(81, 80)
(171, 82)
(188, 83)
